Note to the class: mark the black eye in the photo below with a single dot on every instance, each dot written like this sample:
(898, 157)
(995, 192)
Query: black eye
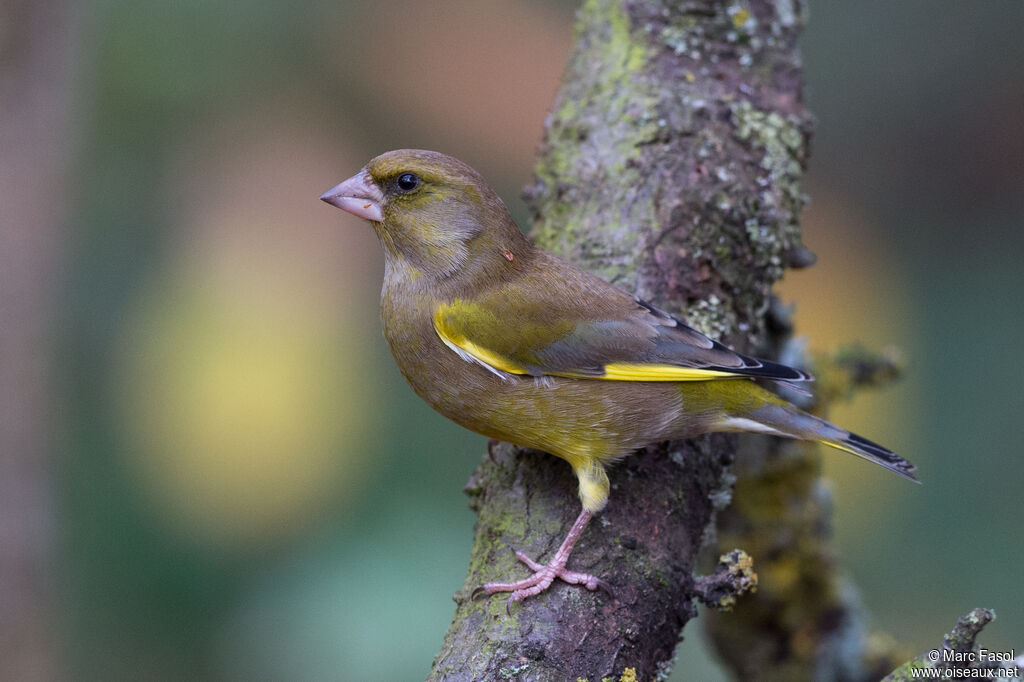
(407, 182)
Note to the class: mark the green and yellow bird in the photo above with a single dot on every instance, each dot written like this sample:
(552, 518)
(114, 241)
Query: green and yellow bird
(519, 345)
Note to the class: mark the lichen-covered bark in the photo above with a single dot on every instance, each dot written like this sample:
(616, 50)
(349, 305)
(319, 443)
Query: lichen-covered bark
(670, 166)
(673, 155)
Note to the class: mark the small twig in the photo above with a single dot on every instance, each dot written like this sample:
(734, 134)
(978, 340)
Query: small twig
(960, 657)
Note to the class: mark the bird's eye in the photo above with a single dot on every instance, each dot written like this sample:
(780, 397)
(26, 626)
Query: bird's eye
(407, 182)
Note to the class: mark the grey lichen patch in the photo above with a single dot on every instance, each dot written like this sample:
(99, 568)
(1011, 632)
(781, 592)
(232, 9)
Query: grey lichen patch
(664, 669)
(702, 35)
(680, 36)
(513, 672)
(719, 35)
(710, 317)
(774, 231)
(788, 14)
(721, 497)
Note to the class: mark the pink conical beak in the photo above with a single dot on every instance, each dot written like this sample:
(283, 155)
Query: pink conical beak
(359, 195)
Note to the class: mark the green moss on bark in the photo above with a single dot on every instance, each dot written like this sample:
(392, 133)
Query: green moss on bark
(594, 135)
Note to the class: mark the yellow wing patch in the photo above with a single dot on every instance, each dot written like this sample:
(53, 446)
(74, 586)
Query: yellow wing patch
(637, 371)
(458, 342)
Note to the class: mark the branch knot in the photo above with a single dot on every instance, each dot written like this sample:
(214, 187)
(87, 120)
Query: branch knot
(733, 577)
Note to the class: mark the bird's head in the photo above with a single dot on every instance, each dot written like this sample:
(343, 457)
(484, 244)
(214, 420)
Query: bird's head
(435, 216)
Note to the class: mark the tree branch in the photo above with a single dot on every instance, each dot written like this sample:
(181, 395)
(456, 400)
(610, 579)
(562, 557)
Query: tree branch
(960, 657)
(670, 166)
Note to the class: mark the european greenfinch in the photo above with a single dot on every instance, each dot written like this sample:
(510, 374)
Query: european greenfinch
(519, 345)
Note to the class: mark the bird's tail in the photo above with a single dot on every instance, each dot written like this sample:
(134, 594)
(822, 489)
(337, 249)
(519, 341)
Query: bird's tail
(779, 418)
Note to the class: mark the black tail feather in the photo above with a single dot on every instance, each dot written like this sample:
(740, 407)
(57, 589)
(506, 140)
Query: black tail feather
(862, 447)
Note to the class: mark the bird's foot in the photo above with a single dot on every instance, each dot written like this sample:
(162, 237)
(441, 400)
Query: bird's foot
(541, 580)
(543, 575)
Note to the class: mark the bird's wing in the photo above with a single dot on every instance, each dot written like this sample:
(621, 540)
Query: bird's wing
(629, 340)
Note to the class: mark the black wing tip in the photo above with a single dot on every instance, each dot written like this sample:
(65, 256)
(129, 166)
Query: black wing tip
(752, 367)
(766, 369)
(784, 372)
(883, 457)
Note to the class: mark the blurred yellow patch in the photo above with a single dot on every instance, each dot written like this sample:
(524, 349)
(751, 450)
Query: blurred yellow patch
(242, 403)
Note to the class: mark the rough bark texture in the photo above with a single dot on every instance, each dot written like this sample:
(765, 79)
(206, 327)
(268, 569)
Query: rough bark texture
(35, 49)
(670, 166)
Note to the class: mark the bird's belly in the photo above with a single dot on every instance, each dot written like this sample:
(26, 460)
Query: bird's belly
(571, 418)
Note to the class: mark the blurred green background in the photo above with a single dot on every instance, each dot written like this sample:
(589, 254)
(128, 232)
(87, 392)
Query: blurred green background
(243, 486)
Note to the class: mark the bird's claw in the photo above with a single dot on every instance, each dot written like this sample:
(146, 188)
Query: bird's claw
(542, 578)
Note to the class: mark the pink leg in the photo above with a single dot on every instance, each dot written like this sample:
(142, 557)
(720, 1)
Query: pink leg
(543, 576)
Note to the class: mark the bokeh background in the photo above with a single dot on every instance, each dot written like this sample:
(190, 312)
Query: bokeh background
(205, 431)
